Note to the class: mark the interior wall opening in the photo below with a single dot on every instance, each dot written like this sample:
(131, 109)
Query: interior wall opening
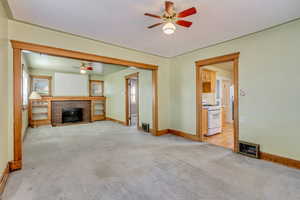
(73, 87)
(217, 101)
(218, 104)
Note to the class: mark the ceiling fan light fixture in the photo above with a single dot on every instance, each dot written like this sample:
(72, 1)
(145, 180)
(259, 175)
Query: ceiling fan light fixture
(82, 71)
(169, 28)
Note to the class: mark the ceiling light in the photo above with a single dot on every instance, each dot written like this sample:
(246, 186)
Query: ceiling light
(82, 71)
(169, 28)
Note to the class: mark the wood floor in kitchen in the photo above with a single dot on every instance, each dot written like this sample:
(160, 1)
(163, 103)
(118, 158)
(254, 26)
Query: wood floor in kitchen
(224, 139)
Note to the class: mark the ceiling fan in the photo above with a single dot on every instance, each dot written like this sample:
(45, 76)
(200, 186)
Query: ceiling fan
(170, 17)
(89, 67)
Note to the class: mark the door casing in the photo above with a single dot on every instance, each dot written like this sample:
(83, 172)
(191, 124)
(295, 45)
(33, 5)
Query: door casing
(127, 101)
(234, 57)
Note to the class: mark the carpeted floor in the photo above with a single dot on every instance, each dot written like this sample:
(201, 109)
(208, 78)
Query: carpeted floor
(108, 161)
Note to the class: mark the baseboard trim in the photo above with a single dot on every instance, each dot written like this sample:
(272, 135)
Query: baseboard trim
(185, 135)
(15, 165)
(162, 132)
(3, 180)
(115, 120)
(280, 160)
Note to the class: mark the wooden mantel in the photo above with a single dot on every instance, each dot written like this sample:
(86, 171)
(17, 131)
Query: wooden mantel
(73, 98)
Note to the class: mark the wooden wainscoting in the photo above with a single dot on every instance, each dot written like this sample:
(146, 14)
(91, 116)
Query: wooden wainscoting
(280, 160)
(3, 180)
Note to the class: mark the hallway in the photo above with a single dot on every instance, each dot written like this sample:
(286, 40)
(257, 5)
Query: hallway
(105, 160)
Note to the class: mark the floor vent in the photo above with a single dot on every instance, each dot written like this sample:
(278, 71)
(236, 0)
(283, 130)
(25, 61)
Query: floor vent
(146, 127)
(249, 149)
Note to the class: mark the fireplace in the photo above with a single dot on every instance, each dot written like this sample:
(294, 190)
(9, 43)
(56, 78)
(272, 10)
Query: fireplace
(71, 115)
(73, 111)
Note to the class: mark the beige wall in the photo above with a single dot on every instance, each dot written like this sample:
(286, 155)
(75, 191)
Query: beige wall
(268, 72)
(3, 91)
(114, 90)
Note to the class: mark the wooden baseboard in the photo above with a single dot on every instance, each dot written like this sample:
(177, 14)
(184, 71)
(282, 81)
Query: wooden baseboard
(185, 135)
(15, 165)
(115, 120)
(162, 132)
(280, 160)
(3, 180)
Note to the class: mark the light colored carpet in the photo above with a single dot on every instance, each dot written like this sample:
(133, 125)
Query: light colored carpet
(108, 161)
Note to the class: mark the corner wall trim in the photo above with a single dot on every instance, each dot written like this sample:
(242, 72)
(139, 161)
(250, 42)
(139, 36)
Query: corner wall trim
(3, 180)
(280, 160)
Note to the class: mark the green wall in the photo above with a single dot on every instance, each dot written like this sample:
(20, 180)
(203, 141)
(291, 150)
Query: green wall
(268, 72)
(114, 90)
(30, 33)
(269, 68)
(3, 91)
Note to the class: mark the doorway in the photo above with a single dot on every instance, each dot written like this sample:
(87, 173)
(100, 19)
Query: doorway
(217, 101)
(132, 100)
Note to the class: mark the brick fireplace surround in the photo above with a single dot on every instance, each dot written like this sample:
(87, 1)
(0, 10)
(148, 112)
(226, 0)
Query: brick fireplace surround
(58, 106)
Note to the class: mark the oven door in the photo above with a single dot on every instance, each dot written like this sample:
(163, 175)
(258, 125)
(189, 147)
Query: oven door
(214, 118)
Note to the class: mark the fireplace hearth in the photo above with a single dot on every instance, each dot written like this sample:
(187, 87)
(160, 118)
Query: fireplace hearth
(71, 115)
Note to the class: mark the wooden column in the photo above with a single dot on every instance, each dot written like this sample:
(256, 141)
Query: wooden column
(16, 164)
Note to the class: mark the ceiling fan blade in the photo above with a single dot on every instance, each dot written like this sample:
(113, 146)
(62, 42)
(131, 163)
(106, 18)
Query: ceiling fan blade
(169, 7)
(187, 12)
(89, 68)
(151, 15)
(154, 25)
(184, 23)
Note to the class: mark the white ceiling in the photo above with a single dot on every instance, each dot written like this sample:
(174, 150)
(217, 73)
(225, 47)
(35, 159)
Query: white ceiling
(54, 63)
(121, 22)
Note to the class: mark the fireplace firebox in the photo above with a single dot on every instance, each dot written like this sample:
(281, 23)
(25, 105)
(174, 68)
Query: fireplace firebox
(72, 115)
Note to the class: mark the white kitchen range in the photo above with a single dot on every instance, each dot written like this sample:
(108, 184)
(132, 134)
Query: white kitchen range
(214, 123)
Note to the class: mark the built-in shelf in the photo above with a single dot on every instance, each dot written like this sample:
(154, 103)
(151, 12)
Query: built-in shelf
(39, 112)
(45, 113)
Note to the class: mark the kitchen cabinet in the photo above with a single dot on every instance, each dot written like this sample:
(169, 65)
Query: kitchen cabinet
(204, 121)
(208, 81)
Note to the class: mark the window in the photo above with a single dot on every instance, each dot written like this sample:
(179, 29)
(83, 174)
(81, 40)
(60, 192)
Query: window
(41, 84)
(25, 88)
(96, 88)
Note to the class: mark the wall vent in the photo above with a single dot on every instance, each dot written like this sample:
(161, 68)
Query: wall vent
(249, 149)
(146, 127)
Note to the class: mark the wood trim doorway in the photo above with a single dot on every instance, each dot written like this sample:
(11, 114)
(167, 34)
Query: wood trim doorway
(134, 75)
(201, 63)
(18, 46)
